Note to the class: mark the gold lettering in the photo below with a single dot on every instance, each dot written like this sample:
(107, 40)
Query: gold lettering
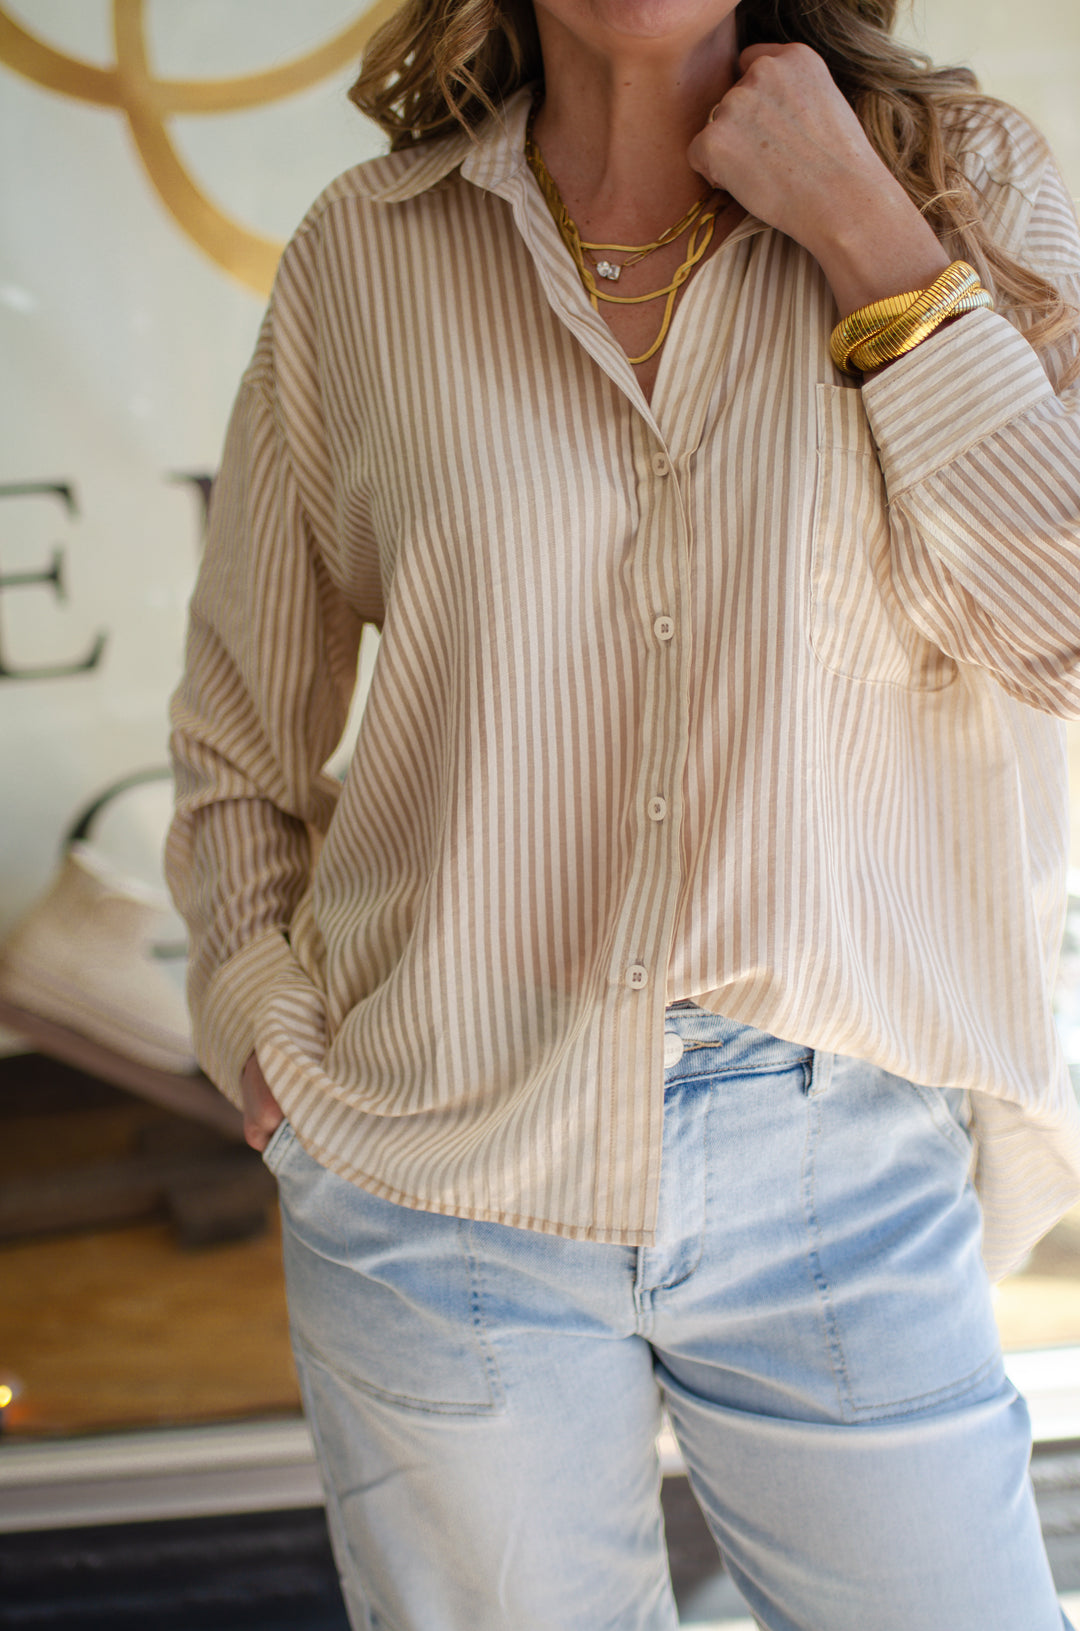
(147, 102)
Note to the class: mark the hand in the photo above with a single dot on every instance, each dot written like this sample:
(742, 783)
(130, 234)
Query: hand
(262, 1113)
(785, 143)
(788, 147)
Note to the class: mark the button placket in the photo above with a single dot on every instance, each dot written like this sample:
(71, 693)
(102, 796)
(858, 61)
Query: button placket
(642, 940)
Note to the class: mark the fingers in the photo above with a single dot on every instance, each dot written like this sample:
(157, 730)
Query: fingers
(769, 48)
(747, 58)
(262, 1113)
(788, 70)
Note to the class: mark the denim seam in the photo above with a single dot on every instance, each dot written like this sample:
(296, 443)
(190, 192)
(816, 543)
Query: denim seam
(730, 1072)
(841, 1378)
(644, 1305)
(697, 1042)
(684, 1274)
(787, 1053)
(941, 1395)
(277, 1148)
(332, 1495)
(942, 1118)
(477, 1287)
(406, 1401)
(819, 1072)
(883, 1409)
(692, 1044)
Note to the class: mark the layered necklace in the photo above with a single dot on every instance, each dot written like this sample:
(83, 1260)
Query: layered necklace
(591, 258)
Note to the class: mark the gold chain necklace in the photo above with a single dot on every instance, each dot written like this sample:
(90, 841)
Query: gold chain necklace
(698, 221)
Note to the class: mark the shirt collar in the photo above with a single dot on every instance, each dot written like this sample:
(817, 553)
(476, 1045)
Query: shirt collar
(489, 158)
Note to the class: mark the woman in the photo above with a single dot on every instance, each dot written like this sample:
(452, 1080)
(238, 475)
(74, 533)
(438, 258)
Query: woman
(688, 914)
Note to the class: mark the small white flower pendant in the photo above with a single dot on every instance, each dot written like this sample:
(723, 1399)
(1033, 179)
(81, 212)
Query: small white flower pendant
(608, 270)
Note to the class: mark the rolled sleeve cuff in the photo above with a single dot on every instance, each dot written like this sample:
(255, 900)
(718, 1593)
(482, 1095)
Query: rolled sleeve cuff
(226, 1019)
(955, 389)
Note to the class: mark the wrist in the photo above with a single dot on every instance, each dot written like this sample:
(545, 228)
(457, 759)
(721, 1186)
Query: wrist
(879, 333)
(876, 247)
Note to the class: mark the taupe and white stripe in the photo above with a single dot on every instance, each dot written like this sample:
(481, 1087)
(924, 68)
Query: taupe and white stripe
(752, 695)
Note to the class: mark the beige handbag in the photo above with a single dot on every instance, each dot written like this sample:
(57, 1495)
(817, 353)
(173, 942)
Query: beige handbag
(84, 958)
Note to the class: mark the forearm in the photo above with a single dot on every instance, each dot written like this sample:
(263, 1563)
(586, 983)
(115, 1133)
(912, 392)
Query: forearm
(237, 866)
(259, 710)
(784, 142)
(870, 241)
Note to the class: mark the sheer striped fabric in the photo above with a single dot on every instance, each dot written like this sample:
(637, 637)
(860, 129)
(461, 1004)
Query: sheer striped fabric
(751, 695)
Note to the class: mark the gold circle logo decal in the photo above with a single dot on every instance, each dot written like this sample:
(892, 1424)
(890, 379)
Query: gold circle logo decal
(147, 103)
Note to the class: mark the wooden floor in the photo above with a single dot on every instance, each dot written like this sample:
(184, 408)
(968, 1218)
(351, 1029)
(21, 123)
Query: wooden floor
(123, 1327)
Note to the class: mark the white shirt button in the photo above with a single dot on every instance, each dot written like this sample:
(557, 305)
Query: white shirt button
(660, 464)
(664, 628)
(637, 976)
(657, 808)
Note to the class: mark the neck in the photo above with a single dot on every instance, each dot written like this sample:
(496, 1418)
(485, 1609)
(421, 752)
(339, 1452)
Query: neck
(616, 121)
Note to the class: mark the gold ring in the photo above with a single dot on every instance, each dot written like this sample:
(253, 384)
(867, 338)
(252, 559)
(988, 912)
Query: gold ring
(713, 112)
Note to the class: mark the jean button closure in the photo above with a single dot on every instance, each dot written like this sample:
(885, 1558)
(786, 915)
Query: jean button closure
(673, 1049)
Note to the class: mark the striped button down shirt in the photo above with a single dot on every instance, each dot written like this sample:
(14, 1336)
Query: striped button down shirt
(750, 695)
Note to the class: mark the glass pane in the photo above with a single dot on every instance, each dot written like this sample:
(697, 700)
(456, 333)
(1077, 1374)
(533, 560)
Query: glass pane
(135, 279)
(155, 1299)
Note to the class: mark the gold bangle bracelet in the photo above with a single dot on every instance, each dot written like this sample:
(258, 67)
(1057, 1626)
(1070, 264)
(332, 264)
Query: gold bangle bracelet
(935, 301)
(957, 289)
(932, 305)
(888, 328)
(887, 346)
(866, 322)
(880, 315)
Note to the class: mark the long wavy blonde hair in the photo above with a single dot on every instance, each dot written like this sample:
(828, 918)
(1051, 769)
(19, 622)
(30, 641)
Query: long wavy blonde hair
(440, 65)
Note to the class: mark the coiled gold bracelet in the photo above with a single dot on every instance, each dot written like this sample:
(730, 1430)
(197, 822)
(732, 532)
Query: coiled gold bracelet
(887, 329)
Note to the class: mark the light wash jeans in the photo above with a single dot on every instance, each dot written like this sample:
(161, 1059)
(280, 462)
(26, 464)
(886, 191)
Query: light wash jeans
(814, 1317)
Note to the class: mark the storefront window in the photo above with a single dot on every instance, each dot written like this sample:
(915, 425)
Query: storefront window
(155, 157)
(151, 167)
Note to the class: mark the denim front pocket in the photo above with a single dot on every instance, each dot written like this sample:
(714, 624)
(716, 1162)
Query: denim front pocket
(388, 1298)
(278, 1148)
(895, 1232)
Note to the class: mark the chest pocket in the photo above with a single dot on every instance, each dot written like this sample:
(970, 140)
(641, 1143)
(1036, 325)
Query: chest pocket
(858, 628)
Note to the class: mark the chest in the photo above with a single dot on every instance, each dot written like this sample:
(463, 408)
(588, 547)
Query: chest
(642, 303)
(481, 409)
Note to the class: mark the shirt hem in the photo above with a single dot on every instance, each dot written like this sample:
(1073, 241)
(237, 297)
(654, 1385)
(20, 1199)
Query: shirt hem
(595, 1233)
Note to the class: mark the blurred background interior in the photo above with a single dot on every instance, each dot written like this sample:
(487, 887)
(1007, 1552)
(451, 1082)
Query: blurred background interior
(154, 1467)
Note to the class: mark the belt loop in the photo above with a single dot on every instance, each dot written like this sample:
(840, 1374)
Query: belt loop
(821, 1069)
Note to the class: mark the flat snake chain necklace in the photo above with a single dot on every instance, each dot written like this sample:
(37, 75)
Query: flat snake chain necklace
(698, 221)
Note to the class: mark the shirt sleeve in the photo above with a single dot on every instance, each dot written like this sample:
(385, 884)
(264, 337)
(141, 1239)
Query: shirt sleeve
(270, 669)
(981, 459)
